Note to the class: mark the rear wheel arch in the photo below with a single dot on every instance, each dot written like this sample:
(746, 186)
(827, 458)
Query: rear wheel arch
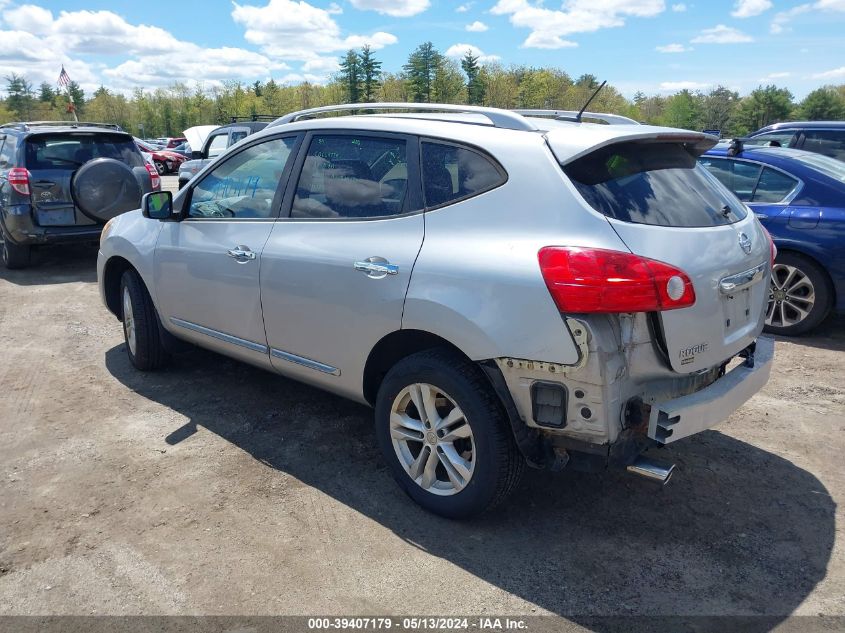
(391, 349)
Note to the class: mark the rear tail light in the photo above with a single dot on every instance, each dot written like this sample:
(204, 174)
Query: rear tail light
(155, 179)
(19, 180)
(773, 250)
(598, 280)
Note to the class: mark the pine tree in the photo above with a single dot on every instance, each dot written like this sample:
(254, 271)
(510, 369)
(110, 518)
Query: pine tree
(21, 97)
(371, 72)
(421, 69)
(46, 93)
(475, 85)
(350, 75)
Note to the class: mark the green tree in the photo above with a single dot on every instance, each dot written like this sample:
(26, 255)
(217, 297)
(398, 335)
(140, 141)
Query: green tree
(21, 97)
(448, 84)
(683, 110)
(371, 74)
(46, 94)
(475, 83)
(718, 107)
(350, 75)
(762, 107)
(823, 104)
(78, 96)
(421, 71)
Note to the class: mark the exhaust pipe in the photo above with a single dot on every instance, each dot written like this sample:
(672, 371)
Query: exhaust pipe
(658, 472)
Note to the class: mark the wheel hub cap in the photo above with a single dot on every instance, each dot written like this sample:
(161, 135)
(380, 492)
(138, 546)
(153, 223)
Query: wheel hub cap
(792, 296)
(432, 439)
(129, 321)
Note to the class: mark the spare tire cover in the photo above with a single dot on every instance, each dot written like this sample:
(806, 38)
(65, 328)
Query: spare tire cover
(104, 188)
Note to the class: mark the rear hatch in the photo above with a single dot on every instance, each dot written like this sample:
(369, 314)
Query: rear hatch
(53, 158)
(666, 207)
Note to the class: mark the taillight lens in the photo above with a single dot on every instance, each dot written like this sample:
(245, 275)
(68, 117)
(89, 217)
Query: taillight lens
(19, 180)
(155, 179)
(600, 280)
(773, 250)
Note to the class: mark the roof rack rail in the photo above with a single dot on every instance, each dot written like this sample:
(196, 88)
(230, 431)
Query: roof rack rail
(25, 125)
(572, 115)
(253, 117)
(505, 119)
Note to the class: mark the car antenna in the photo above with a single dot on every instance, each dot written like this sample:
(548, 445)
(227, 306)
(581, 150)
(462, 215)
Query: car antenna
(589, 101)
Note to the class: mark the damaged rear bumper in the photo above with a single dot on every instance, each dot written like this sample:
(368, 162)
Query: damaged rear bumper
(681, 417)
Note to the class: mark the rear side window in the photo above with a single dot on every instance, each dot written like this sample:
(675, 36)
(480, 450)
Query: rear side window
(827, 142)
(218, 145)
(452, 173)
(352, 176)
(740, 177)
(659, 184)
(7, 146)
(69, 151)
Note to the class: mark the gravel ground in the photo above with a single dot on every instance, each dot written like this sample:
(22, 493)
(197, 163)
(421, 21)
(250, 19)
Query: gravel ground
(216, 488)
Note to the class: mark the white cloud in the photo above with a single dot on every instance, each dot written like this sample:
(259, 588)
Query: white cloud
(780, 23)
(477, 27)
(394, 8)
(672, 48)
(674, 86)
(750, 8)
(679, 8)
(773, 76)
(549, 27)
(459, 50)
(722, 34)
(463, 8)
(836, 73)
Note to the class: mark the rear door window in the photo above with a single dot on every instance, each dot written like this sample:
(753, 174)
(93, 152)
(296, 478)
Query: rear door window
(352, 176)
(653, 183)
(452, 173)
(827, 142)
(773, 186)
(69, 151)
(7, 145)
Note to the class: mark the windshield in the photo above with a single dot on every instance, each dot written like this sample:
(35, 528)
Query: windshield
(653, 183)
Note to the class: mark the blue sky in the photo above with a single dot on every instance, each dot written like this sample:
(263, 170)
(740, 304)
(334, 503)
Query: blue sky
(652, 45)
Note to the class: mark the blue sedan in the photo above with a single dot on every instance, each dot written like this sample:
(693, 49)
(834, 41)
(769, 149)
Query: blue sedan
(800, 198)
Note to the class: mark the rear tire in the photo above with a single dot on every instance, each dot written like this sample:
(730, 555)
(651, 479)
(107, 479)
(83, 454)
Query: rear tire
(801, 295)
(160, 167)
(14, 255)
(461, 448)
(140, 324)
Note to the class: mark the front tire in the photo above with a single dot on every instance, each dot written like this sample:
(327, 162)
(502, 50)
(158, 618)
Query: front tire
(14, 255)
(140, 324)
(445, 435)
(800, 298)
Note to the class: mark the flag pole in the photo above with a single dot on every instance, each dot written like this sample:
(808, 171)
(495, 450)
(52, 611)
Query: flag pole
(64, 80)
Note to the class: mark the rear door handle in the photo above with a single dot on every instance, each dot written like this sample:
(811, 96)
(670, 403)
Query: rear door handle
(241, 254)
(376, 267)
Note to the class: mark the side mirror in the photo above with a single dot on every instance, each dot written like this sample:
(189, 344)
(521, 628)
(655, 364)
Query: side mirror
(157, 205)
(195, 155)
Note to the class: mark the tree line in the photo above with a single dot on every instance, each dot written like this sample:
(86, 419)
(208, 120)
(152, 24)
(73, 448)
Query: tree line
(428, 76)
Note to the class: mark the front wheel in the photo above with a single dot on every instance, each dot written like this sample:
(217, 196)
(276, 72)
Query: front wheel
(140, 324)
(800, 297)
(445, 435)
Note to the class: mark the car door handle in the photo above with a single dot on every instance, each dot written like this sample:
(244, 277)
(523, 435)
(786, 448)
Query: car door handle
(241, 254)
(376, 267)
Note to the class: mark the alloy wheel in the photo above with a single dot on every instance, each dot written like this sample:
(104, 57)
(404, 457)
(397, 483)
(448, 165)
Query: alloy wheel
(792, 296)
(432, 439)
(129, 322)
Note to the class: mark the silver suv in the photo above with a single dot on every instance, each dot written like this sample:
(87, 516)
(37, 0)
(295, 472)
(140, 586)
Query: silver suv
(502, 289)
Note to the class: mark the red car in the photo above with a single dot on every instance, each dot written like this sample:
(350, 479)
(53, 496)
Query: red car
(172, 141)
(166, 162)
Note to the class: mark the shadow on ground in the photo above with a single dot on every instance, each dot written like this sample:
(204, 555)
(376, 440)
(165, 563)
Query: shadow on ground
(739, 530)
(63, 264)
(830, 334)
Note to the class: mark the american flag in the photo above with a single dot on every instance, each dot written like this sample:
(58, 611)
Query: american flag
(64, 78)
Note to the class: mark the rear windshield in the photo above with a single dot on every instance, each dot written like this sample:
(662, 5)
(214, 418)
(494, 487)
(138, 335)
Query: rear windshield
(828, 166)
(653, 183)
(69, 151)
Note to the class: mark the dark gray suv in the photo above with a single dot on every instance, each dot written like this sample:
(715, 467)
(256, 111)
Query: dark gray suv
(62, 181)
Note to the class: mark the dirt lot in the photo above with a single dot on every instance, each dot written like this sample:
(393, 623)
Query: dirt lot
(216, 488)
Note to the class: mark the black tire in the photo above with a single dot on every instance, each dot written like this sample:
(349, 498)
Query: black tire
(148, 354)
(823, 290)
(14, 255)
(498, 464)
(161, 167)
